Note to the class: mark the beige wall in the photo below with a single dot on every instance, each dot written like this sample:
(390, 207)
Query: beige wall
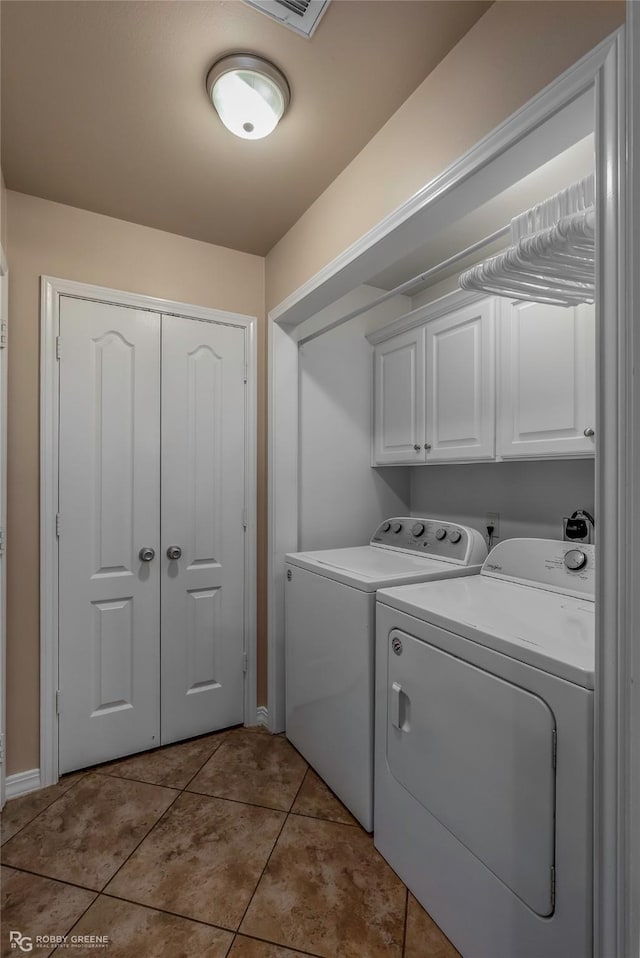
(510, 54)
(48, 238)
(3, 213)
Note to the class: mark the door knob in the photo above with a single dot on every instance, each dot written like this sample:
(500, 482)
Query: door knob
(417, 447)
(427, 446)
(174, 552)
(589, 432)
(146, 554)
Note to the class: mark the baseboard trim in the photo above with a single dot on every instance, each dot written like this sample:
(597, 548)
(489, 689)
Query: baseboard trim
(262, 715)
(21, 783)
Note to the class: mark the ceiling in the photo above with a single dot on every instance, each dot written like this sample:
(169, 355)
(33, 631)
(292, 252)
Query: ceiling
(104, 106)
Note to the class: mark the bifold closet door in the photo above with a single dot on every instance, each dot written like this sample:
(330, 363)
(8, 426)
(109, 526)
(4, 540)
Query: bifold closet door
(151, 547)
(203, 483)
(109, 504)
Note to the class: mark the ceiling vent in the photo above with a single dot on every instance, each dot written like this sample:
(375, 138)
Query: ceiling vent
(302, 16)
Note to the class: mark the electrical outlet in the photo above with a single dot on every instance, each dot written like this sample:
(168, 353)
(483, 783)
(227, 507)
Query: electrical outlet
(493, 519)
(578, 527)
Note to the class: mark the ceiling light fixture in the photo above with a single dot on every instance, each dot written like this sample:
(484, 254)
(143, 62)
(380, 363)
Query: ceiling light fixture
(249, 94)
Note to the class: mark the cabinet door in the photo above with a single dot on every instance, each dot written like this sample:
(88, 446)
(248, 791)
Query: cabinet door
(398, 430)
(547, 380)
(459, 387)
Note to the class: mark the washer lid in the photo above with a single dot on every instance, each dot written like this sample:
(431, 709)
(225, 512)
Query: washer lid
(552, 632)
(369, 568)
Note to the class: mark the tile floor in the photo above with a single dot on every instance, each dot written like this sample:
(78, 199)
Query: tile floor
(227, 846)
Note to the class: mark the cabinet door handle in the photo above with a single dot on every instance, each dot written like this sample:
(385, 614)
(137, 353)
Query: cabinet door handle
(589, 432)
(417, 447)
(427, 446)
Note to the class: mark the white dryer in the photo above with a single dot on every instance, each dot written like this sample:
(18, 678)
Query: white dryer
(484, 742)
(330, 622)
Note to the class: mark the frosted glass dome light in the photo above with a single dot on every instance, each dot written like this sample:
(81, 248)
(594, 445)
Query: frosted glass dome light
(249, 94)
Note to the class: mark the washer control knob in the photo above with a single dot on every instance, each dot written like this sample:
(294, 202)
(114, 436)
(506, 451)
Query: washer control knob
(397, 527)
(455, 536)
(386, 526)
(575, 559)
(441, 534)
(417, 529)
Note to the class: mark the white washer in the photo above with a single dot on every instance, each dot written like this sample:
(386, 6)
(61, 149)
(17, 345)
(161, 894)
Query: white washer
(330, 621)
(484, 742)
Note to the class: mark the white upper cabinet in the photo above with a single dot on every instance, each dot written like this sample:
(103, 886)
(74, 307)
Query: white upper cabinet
(398, 435)
(459, 384)
(434, 384)
(546, 405)
(440, 396)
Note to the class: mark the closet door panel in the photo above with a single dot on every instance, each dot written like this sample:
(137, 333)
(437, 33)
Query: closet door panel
(459, 384)
(109, 502)
(547, 380)
(203, 480)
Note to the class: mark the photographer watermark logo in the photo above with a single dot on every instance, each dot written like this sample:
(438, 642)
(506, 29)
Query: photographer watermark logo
(18, 940)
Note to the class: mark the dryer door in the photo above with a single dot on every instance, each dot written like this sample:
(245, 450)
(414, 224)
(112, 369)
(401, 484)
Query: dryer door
(478, 753)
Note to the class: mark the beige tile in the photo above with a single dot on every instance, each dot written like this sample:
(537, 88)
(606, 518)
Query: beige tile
(424, 938)
(86, 835)
(326, 890)
(251, 948)
(18, 812)
(202, 861)
(173, 766)
(253, 766)
(138, 932)
(35, 906)
(318, 801)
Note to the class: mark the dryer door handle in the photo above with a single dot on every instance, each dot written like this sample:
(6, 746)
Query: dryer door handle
(399, 708)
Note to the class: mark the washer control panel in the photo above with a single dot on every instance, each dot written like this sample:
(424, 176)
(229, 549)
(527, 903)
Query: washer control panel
(432, 537)
(546, 564)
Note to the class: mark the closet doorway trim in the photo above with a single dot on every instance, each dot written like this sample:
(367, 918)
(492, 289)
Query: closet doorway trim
(610, 73)
(51, 289)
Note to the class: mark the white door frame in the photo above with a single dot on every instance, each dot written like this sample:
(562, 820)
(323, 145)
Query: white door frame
(50, 292)
(486, 166)
(603, 73)
(626, 803)
(4, 325)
